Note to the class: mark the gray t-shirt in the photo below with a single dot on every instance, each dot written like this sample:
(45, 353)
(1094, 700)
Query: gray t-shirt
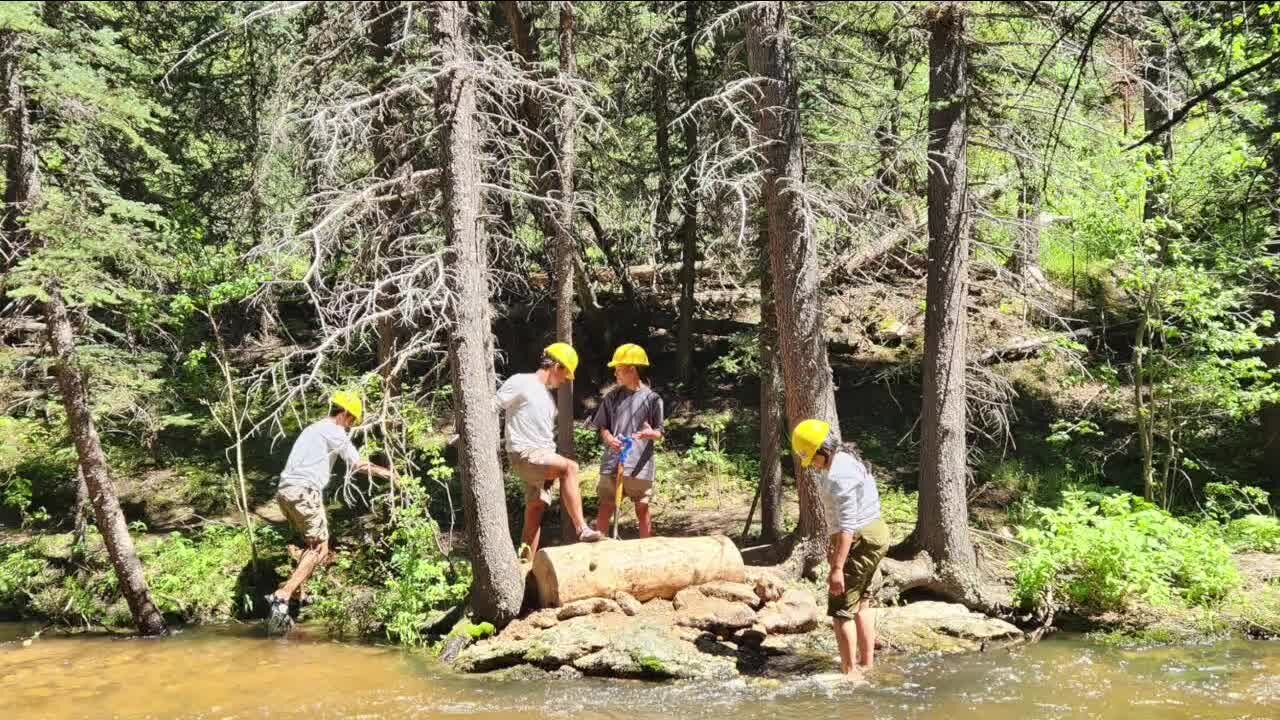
(624, 412)
(531, 413)
(849, 494)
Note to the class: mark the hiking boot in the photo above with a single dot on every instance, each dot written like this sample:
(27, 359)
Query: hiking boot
(278, 620)
(589, 534)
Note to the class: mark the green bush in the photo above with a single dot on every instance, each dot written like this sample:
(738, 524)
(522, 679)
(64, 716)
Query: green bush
(1256, 533)
(19, 569)
(197, 578)
(1100, 552)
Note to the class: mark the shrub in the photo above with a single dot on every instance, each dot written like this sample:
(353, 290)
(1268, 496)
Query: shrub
(197, 578)
(1257, 533)
(1099, 552)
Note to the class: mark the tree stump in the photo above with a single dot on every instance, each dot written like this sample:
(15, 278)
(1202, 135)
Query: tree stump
(646, 569)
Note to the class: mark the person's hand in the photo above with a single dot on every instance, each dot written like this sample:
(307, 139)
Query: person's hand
(835, 582)
(646, 433)
(614, 443)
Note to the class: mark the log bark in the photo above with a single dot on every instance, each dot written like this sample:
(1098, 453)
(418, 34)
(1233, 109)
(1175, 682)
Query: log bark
(498, 587)
(793, 256)
(689, 223)
(942, 528)
(565, 251)
(96, 472)
(656, 567)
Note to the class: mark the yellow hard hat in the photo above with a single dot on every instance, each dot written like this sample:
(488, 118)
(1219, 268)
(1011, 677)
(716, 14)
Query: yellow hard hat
(807, 438)
(350, 402)
(629, 354)
(564, 354)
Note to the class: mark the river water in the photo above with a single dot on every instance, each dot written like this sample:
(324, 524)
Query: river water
(235, 672)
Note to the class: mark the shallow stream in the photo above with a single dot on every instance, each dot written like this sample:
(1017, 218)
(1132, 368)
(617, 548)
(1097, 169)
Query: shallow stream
(236, 672)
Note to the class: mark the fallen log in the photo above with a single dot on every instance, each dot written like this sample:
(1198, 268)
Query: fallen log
(648, 568)
(1027, 348)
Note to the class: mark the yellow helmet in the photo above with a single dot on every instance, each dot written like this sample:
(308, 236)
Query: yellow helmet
(630, 354)
(350, 402)
(564, 354)
(807, 438)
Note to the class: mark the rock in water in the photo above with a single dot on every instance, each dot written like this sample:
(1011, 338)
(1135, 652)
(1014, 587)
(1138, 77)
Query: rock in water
(941, 627)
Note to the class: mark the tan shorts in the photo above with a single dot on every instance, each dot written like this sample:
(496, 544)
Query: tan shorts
(868, 549)
(640, 491)
(304, 507)
(537, 469)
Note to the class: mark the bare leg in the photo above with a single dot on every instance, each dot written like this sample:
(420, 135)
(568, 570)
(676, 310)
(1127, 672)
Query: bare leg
(845, 640)
(866, 623)
(643, 519)
(571, 496)
(532, 526)
(604, 516)
(315, 553)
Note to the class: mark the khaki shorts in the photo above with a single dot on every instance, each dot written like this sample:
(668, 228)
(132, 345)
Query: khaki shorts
(537, 469)
(640, 491)
(868, 549)
(304, 507)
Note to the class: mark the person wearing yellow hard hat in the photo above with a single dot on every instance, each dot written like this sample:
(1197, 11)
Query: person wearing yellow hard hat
(530, 410)
(859, 538)
(301, 492)
(630, 411)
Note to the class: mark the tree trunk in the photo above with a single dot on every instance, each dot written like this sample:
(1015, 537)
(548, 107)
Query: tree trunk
(771, 401)
(566, 250)
(662, 118)
(1026, 257)
(83, 509)
(889, 133)
(943, 525)
(793, 257)
(656, 567)
(96, 473)
(395, 148)
(689, 223)
(498, 587)
(22, 181)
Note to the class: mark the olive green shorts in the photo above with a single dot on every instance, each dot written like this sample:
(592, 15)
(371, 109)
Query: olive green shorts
(868, 549)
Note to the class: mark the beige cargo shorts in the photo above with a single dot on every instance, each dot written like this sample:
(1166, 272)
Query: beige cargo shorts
(304, 507)
(640, 491)
(537, 469)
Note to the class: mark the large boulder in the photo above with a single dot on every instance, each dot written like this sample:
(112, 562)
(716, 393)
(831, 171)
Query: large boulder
(649, 651)
(932, 626)
(795, 612)
(731, 591)
(715, 615)
(493, 654)
(564, 643)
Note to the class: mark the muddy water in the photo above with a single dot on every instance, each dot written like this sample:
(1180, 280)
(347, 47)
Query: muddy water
(235, 673)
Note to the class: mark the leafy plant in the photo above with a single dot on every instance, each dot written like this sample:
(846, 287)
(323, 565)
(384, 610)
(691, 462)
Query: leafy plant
(1101, 552)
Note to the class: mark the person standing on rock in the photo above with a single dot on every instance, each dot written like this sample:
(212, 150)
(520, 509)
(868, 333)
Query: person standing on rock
(859, 538)
(301, 492)
(631, 409)
(531, 444)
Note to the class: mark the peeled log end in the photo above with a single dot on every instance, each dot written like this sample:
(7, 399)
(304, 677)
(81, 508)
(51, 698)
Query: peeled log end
(648, 568)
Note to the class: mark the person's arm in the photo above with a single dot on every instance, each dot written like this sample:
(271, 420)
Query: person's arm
(603, 419)
(351, 457)
(652, 429)
(375, 470)
(508, 396)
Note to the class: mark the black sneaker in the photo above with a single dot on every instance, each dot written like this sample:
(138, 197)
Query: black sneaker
(278, 620)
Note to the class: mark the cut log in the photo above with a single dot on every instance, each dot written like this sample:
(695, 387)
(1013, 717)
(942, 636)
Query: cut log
(647, 568)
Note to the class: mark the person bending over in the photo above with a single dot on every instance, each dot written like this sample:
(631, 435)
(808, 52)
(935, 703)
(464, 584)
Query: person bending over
(859, 538)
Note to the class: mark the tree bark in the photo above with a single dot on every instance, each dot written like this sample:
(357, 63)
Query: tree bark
(942, 528)
(689, 222)
(1026, 257)
(793, 257)
(498, 587)
(648, 568)
(96, 473)
(566, 250)
(1157, 109)
(662, 118)
(22, 181)
(772, 409)
(1271, 355)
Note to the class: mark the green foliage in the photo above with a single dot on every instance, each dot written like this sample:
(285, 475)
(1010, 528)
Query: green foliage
(196, 578)
(1253, 533)
(1102, 552)
(741, 359)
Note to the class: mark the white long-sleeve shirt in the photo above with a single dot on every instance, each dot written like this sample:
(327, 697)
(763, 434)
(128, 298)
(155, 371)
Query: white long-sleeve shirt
(310, 462)
(849, 494)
